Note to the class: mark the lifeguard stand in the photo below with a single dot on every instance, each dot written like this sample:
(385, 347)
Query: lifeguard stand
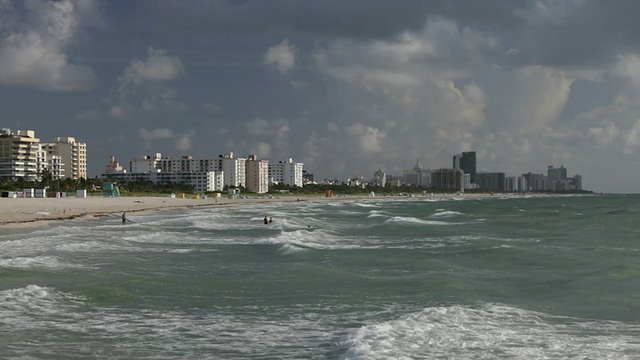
(109, 189)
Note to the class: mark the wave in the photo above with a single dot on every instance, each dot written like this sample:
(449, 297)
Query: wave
(36, 262)
(492, 331)
(445, 214)
(414, 220)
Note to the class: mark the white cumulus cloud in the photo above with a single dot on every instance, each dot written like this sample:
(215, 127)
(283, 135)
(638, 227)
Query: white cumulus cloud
(281, 56)
(34, 53)
(605, 134)
(141, 82)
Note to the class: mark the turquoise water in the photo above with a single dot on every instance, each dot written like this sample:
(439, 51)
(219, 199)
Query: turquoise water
(405, 278)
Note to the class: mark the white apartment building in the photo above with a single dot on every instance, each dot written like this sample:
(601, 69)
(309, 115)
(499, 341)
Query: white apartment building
(418, 176)
(286, 172)
(202, 181)
(234, 170)
(144, 164)
(232, 167)
(73, 155)
(20, 154)
(55, 164)
(515, 183)
(257, 174)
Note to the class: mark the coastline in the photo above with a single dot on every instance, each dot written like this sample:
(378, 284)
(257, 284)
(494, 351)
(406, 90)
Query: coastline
(34, 212)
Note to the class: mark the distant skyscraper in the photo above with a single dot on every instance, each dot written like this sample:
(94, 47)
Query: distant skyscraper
(556, 174)
(379, 178)
(448, 179)
(466, 161)
(417, 176)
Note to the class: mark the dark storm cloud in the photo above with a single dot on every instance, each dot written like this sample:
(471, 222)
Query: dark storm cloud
(582, 34)
(345, 86)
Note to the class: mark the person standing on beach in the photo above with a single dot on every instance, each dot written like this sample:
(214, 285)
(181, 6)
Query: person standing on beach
(124, 218)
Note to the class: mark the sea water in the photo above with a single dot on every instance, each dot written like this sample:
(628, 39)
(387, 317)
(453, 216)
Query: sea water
(381, 278)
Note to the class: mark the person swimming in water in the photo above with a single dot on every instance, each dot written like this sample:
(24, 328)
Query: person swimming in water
(270, 220)
(265, 220)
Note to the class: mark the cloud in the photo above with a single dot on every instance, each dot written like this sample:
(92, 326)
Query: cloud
(157, 67)
(33, 53)
(260, 127)
(155, 134)
(628, 66)
(536, 98)
(262, 149)
(369, 138)
(278, 129)
(184, 141)
(604, 135)
(281, 56)
(142, 83)
(632, 139)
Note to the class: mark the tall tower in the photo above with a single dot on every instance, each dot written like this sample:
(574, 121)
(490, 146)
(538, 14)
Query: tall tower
(466, 161)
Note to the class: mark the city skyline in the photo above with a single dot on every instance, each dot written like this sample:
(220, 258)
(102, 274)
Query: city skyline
(341, 86)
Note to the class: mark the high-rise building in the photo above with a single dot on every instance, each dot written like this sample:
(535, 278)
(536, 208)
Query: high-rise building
(286, 172)
(466, 161)
(307, 177)
(379, 178)
(73, 155)
(535, 182)
(494, 181)
(234, 170)
(418, 176)
(20, 155)
(515, 183)
(113, 166)
(448, 179)
(257, 174)
(556, 174)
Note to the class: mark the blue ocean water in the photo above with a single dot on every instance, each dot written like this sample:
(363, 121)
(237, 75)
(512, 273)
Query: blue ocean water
(381, 278)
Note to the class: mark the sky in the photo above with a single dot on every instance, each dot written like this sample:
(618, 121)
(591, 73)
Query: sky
(343, 86)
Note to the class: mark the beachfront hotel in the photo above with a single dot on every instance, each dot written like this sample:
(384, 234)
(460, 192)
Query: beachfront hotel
(19, 154)
(257, 174)
(210, 174)
(72, 154)
(286, 172)
(23, 156)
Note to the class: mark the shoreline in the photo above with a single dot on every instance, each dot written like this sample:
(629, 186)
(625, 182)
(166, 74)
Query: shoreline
(35, 212)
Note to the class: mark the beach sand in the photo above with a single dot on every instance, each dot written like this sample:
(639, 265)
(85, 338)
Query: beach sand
(29, 212)
(32, 212)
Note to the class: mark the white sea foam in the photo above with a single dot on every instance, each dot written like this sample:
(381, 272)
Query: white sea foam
(414, 220)
(365, 205)
(445, 214)
(44, 262)
(492, 331)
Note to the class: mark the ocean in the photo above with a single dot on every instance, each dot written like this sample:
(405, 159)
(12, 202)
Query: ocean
(549, 277)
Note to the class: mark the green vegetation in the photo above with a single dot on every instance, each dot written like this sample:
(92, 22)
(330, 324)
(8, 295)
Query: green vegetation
(94, 186)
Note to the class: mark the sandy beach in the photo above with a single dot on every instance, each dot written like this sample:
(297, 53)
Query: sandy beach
(28, 212)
